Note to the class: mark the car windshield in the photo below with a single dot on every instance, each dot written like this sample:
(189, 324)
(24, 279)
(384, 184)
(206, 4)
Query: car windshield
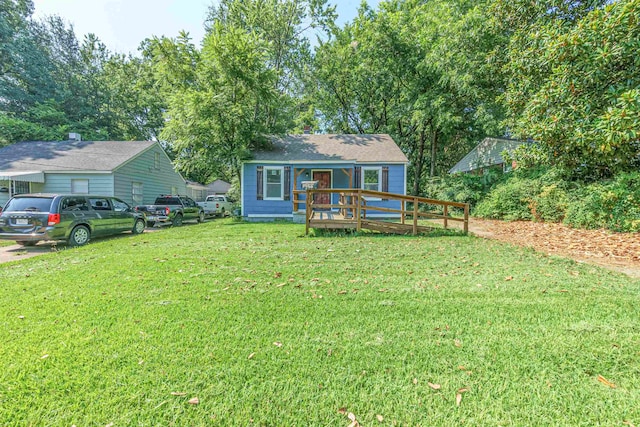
(167, 201)
(29, 204)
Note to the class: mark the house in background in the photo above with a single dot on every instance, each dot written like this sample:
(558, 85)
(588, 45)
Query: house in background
(487, 154)
(371, 162)
(196, 191)
(218, 187)
(134, 171)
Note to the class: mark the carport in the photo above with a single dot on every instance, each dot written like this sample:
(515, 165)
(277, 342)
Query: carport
(22, 176)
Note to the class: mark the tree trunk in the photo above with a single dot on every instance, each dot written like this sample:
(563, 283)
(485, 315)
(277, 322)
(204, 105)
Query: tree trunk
(434, 151)
(419, 163)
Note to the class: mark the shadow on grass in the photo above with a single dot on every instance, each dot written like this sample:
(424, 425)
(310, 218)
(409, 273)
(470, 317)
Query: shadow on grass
(436, 232)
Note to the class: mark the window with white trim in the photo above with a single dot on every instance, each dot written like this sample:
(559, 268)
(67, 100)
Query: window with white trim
(137, 192)
(371, 179)
(79, 186)
(273, 183)
(20, 187)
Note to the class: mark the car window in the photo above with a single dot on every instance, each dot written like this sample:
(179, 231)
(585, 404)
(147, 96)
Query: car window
(120, 206)
(100, 204)
(29, 204)
(74, 204)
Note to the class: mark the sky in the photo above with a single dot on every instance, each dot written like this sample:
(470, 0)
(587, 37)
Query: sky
(122, 24)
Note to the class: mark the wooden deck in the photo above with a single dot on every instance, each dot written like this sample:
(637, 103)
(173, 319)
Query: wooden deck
(351, 212)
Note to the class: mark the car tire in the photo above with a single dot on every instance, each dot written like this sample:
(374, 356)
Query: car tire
(80, 235)
(201, 217)
(138, 226)
(177, 221)
(26, 243)
(223, 213)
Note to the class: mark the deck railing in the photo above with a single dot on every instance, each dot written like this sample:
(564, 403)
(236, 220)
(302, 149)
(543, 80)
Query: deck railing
(352, 206)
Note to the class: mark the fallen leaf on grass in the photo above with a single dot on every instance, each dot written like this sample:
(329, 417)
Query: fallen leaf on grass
(178, 393)
(628, 423)
(194, 401)
(277, 344)
(415, 381)
(508, 278)
(458, 399)
(44, 356)
(342, 410)
(380, 418)
(457, 343)
(434, 386)
(342, 292)
(251, 356)
(606, 382)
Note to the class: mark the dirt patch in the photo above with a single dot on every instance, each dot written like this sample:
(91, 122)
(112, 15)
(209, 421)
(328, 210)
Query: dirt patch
(615, 251)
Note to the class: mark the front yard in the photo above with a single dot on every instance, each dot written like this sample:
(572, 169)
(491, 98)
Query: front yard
(228, 323)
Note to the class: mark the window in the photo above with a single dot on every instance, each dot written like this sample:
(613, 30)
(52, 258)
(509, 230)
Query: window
(100, 204)
(120, 206)
(273, 183)
(371, 179)
(79, 186)
(156, 161)
(20, 187)
(74, 204)
(136, 192)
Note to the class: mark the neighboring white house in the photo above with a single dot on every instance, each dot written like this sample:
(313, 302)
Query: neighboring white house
(487, 153)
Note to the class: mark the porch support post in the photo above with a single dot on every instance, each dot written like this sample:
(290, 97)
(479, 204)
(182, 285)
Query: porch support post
(307, 212)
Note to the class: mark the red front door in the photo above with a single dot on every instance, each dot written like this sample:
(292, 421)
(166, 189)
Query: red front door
(324, 181)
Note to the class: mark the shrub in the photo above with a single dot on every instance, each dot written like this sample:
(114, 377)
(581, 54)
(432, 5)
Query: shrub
(613, 204)
(550, 204)
(509, 200)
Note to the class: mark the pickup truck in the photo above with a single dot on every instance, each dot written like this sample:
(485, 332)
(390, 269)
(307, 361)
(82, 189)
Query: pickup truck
(171, 210)
(216, 205)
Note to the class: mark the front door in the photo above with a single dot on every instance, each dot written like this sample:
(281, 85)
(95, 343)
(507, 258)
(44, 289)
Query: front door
(324, 181)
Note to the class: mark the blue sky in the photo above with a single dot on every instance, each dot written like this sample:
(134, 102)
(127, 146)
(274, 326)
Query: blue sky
(123, 24)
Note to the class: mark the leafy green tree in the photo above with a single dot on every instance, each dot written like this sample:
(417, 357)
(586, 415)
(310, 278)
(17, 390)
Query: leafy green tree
(573, 86)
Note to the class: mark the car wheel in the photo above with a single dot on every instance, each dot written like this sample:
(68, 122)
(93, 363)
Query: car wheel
(79, 236)
(223, 213)
(177, 221)
(26, 243)
(138, 226)
(201, 217)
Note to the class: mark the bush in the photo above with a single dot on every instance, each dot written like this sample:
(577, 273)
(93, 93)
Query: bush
(613, 204)
(509, 201)
(550, 204)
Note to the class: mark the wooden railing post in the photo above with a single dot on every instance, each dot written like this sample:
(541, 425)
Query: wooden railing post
(415, 216)
(446, 215)
(307, 211)
(466, 218)
(403, 215)
(358, 219)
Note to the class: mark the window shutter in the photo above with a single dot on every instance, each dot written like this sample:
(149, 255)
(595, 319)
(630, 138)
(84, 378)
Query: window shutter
(357, 172)
(385, 179)
(259, 186)
(287, 183)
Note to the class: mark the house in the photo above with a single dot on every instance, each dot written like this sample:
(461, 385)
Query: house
(487, 154)
(135, 171)
(218, 187)
(196, 191)
(270, 178)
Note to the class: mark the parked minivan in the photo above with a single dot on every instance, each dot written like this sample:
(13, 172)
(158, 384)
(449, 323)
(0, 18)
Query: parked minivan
(74, 218)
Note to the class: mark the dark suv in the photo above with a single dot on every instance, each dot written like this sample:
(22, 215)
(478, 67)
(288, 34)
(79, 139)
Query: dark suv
(30, 218)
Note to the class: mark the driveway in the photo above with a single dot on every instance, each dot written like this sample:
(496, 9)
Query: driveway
(18, 252)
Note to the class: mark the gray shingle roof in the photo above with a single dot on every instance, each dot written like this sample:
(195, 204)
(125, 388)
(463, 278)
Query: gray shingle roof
(331, 147)
(486, 153)
(52, 156)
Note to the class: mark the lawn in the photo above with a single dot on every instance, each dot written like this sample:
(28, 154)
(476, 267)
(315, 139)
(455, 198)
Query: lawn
(255, 324)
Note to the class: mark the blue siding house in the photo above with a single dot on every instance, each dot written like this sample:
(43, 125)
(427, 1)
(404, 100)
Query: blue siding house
(371, 162)
(134, 171)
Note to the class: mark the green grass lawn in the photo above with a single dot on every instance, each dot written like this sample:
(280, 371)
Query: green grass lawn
(267, 327)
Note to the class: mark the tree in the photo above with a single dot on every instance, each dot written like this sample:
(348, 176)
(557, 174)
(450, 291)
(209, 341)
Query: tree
(573, 85)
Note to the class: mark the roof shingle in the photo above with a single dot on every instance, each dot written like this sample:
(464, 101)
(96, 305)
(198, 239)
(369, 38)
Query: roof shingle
(362, 148)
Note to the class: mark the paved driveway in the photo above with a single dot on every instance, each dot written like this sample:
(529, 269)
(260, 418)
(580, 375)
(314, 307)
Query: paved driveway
(17, 252)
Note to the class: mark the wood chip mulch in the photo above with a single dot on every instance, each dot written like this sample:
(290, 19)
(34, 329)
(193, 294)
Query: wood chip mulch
(617, 251)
